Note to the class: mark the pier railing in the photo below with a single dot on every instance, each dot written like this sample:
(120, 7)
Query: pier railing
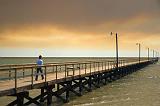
(24, 68)
(53, 71)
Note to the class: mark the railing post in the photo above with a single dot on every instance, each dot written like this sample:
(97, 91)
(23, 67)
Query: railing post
(65, 70)
(15, 79)
(102, 65)
(56, 72)
(82, 65)
(111, 64)
(94, 66)
(98, 66)
(90, 68)
(105, 66)
(60, 68)
(23, 71)
(85, 68)
(45, 73)
(32, 77)
(10, 73)
(79, 68)
(123, 62)
(108, 65)
(53, 68)
(73, 70)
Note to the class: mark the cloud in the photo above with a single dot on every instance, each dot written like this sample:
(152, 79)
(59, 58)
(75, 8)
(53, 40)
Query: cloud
(78, 15)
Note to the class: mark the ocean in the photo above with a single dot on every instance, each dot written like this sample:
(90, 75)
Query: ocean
(26, 60)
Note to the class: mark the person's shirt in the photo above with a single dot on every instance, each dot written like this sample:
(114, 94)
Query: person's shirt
(39, 62)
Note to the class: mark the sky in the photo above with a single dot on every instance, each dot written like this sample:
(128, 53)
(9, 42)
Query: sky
(78, 27)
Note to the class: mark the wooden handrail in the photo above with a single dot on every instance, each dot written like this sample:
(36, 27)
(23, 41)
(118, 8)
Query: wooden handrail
(46, 65)
(91, 63)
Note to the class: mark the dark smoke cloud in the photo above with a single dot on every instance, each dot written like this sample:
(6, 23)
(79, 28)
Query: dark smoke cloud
(75, 14)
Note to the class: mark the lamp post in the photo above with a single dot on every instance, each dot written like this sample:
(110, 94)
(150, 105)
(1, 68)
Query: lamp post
(116, 49)
(139, 46)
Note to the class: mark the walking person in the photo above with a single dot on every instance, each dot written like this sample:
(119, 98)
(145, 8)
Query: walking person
(39, 67)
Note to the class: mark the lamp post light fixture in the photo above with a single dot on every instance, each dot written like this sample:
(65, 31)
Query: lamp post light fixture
(116, 48)
(139, 47)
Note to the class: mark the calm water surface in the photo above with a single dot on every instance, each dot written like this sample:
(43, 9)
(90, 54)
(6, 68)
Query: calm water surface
(26, 60)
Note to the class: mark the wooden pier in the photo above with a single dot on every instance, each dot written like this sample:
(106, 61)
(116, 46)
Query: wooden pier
(61, 79)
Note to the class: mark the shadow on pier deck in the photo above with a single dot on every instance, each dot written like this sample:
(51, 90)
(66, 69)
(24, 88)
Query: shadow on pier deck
(61, 79)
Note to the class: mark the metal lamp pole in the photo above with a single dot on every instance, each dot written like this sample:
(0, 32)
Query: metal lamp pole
(116, 49)
(139, 46)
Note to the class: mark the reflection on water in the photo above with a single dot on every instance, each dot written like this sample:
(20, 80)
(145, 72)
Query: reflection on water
(141, 88)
